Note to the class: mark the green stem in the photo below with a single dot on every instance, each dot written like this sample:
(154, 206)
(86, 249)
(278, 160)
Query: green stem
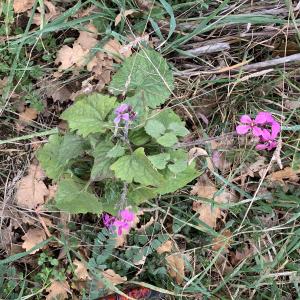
(30, 136)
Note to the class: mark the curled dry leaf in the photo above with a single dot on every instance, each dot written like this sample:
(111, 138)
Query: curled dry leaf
(166, 247)
(31, 190)
(222, 241)
(22, 5)
(32, 238)
(58, 290)
(145, 226)
(123, 15)
(205, 188)
(292, 104)
(196, 152)
(81, 270)
(175, 264)
(28, 115)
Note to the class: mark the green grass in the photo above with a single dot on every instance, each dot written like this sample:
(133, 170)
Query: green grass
(271, 226)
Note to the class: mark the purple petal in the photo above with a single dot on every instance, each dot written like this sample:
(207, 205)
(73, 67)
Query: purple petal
(127, 215)
(266, 135)
(125, 117)
(263, 118)
(272, 145)
(275, 129)
(121, 108)
(261, 147)
(117, 119)
(246, 119)
(242, 129)
(257, 131)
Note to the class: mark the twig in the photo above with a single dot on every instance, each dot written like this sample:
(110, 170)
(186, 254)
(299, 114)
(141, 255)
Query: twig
(204, 141)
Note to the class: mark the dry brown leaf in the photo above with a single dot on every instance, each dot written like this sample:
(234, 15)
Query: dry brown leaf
(32, 238)
(145, 226)
(52, 192)
(81, 270)
(287, 174)
(292, 104)
(238, 256)
(206, 189)
(112, 277)
(3, 83)
(175, 264)
(123, 15)
(31, 190)
(61, 94)
(58, 290)
(222, 241)
(196, 152)
(28, 115)
(68, 57)
(114, 49)
(52, 13)
(220, 161)
(22, 5)
(165, 247)
(88, 39)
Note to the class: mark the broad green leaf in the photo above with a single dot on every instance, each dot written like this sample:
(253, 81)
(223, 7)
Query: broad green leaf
(138, 137)
(89, 115)
(178, 128)
(72, 197)
(140, 194)
(155, 128)
(174, 182)
(165, 126)
(102, 163)
(137, 168)
(168, 139)
(179, 160)
(116, 151)
(145, 78)
(159, 161)
(56, 155)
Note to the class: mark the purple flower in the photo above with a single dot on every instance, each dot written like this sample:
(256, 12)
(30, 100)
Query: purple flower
(124, 112)
(122, 223)
(263, 126)
(250, 125)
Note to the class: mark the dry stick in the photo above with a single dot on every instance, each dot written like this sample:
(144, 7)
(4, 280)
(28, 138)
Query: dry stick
(252, 67)
(272, 62)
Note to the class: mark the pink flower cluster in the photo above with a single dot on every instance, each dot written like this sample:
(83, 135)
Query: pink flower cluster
(264, 126)
(124, 221)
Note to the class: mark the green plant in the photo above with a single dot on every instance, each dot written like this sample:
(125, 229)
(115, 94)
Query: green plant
(105, 165)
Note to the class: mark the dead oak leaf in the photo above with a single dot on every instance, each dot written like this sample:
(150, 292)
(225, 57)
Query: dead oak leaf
(58, 290)
(81, 270)
(222, 241)
(165, 247)
(111, 276)
(28, 115)
(175, 263)
(287, 174)
(31, 190)
(32, 238)
(22, 5)
(88, 39)
(52, 13)
(208, 214)
(68, 57)
(115, 50)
